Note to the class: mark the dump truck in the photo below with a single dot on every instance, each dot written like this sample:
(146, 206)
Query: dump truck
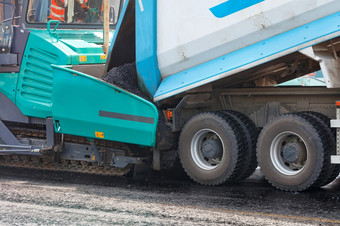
(195, 81)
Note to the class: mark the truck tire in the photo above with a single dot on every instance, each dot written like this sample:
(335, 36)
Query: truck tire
(250, 135)
(331, 142)
(291, 152)
(333, 176)
(210, 148)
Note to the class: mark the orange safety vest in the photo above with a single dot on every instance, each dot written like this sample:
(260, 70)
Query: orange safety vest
(57, 12)
(83, 5)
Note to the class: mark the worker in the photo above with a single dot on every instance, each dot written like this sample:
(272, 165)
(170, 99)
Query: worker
(88, 11)
(80, 11)
(58, 10)
(96, 11)
(83, 4)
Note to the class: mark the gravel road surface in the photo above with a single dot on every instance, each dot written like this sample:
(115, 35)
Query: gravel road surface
(34, 197)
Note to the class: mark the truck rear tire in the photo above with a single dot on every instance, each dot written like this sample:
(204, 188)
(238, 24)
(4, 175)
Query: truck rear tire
(209, 148)
(330, 146)
(336, 167)
(291, 152)
(250, 134)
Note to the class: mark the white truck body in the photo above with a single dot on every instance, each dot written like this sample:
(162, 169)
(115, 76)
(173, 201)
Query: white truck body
(194, 35)
(214, 68)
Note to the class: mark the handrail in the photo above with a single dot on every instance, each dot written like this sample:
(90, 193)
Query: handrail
(13, 9)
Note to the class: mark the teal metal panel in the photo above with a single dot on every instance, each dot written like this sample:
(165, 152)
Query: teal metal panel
(36, 78)
(312, 79)
(81, 46)
(8, 83)
(89, 107)
(304, 81)
(122, 48)
(91, 36)
(146, 45)
(118, 28)
(35, 84)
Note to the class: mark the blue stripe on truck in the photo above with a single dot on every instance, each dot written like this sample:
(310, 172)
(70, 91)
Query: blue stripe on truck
(223, 66)
(232, 6)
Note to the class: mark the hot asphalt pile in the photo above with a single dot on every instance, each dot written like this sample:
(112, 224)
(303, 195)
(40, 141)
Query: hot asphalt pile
(125, 77)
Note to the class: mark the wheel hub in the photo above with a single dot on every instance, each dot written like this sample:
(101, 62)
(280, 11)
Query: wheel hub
(292, 152)
(211, 148)
(288, 153)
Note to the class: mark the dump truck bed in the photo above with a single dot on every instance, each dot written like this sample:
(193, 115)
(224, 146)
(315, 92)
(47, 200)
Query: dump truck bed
(201, 46)
(181, 45)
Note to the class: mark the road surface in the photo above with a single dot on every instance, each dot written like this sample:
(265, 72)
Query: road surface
(34, 197)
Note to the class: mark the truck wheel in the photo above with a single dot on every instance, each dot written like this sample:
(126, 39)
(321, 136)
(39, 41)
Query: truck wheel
(329, 143)
(209, 148)
(324, 118)
(291, 152)
(335, 174)
(250, 133)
